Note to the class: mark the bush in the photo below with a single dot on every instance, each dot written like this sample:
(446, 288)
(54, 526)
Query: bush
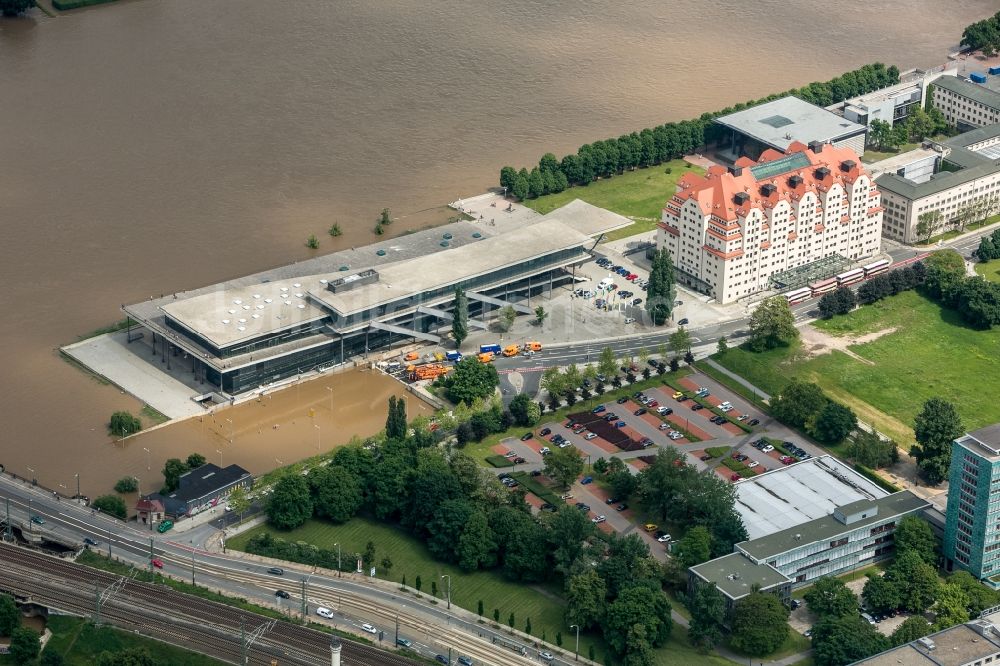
(63, 5)
(123, 424)
(875, 478)
(111, 504)
(126, 484)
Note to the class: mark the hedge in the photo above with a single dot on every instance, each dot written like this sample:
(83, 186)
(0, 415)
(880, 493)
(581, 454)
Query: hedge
(875, 478)
(63, 5)
(499, 461)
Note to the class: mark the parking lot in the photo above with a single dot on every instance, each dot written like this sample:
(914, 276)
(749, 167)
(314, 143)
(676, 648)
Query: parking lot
(636, 426)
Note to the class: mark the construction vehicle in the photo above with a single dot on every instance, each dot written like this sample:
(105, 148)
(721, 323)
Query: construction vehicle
(533, 346)
(485, 357)
(439, 356)
(511, 350)
(492, 349)
(412, 356)
(427, 371)
(454, 356)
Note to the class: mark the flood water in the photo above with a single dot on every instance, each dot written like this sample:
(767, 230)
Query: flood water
(153, 146)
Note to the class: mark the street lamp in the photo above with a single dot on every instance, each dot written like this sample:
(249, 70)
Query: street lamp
(232, 430)
(448, 576)
(577, 627)
(338, 558)
(138, 486)
(319, 432)
(219, 451)
(32, 473)
(77, 485)
(331, 398)
(147, 458)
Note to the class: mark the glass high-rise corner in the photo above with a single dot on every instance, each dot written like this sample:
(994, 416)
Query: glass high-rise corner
(972, 527)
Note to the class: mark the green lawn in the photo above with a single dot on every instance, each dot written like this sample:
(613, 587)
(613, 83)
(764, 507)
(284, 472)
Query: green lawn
(638, 194)
(80, 642)
(990, 270)
(876, 155)
(930, 354)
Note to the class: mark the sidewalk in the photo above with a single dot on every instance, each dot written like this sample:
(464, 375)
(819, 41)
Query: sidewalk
(732, 375)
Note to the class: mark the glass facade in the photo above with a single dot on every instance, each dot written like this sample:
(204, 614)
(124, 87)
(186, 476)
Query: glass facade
(972, 521)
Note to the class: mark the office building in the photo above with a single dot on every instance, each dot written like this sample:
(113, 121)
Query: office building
(892, 104)
(777, 125)
(975, 643)
(968, 105)
(812, 519)
(729, 232)
(972, 530)
(966, 173)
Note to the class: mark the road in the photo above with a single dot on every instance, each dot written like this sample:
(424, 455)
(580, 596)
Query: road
(355, 600)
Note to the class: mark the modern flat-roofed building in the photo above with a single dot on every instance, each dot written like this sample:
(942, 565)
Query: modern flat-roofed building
(967, 172)
(892, 104)
(972, 531)
(777, 125)
(250, 332)
(808, 520)
(968, 105)
(202, 488)
(975, 643)
(729, 232)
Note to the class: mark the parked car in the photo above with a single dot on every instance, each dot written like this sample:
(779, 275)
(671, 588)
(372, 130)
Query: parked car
(653, 403)
(611, 500)
(519, 460)
(402, 642)
(544, 431)
(621, 507)
(442, 659)
(586, 480)
(368, 628)
(536, 472)
(705, 457)
(752, 464)
(566, 496)
(590, 435)
(664, 411)
(683, 322)
(664, 539)
(696, 406)
(545, 450)
(650, 527)
(619, 424)
(598, 519)
(753, 422)
(510, 454)
(582, 507)
(165, 526)
(636, 301)
(324, 612)
(678, 395)
(622, 400)
(767, 448)
(548, 507)
(464, 661)
(735, 477)
(664, 426)
(599, 409)
(545, 656)
(639, 412)
(526, 436)
(675, 435)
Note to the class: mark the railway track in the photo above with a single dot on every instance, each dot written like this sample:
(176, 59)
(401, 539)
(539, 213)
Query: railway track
(176, 617)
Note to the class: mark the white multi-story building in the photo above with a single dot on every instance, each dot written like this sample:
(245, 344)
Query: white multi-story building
(968, 105)
(730, 230)
(968, 173)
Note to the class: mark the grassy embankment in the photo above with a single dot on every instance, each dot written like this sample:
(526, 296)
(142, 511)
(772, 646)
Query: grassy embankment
(930, 354)
(990, 270)
(638, 195)
(80, 643)
(542, 603)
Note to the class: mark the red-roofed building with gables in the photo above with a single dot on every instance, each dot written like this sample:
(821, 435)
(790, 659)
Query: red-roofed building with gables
(730, 230)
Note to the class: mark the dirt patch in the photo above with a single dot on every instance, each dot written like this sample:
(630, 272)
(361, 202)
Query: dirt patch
(816, 342)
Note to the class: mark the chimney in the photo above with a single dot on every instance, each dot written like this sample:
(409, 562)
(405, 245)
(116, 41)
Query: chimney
(768, 189)
(822, 172)
(741, 198)
(816, 146)
(795, 181)
(736, 171)
(847, 165)
(335, 648)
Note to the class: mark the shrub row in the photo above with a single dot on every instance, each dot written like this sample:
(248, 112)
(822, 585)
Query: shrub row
(63, 5)
(876, 479)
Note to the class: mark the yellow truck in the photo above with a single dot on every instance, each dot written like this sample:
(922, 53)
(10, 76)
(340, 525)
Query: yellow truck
(511, 350)
(485, 357)
(533, 346)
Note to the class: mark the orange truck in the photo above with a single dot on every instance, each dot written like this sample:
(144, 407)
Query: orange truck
(512, 350)
(485, 357)
(533, 346)
(428, 371)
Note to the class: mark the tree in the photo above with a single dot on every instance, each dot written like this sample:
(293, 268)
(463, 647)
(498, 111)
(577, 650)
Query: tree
(950, 608)
(978, 302)
(708, 616)
(980, 596)
(510, 620)
(51, 658)
(238, 501)
(195, 460)
(126, 657)
(336, 493)
(476, 546)
(506, 317)
(722, 346)
(607, 365)
(335, 230)
(585, 599)
(833, 423)
(660, 293)
(911, 629)
(563, 465)
(15, 7)
(123, 424)
(695, 547)
(521, 187)
(916, 581)
(312, 242)
(113, 505)
(10, 615)
(520, 408)
(508, 175)
(290, 505)
(919, 124)
(368, 557)
(460, 318)
(798, 403)
(679, 341)
(935, 428)
(126, 484)
(830, 597)
(568, 529)
(385, 218)
(879, 132)
(172, 470)
(470, 380)
(395, 422)
(386, 565)
(914, 535)
(843, 640)
(772, 325)
(869, 449)
(880, 593)
(24, 646)
(944, 270)
(759, 623)
(637, 605)
(540, 315)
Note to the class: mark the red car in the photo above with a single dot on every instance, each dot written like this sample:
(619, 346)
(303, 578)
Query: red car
(653, 403)
(735, 477)
(157, 562)
(631, 277)
(788, 460)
